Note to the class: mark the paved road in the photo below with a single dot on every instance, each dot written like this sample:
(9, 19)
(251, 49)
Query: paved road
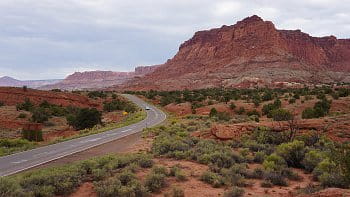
(18, 162)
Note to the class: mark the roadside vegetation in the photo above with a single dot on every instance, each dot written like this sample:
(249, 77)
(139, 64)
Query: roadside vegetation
(85, 121)
(274, 157)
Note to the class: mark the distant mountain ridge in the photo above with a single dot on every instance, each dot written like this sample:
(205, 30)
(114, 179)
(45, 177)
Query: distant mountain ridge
(98, 79)
(11, 82)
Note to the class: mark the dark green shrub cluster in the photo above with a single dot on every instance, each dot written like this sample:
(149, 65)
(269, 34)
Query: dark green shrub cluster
(266, 110)
(280, 114)
(118, 104)
(26, 105)
(320, 109)
(2, 103)
(84, 118)
(97, 94)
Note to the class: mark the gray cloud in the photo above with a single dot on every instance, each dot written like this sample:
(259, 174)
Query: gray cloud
(50, 38)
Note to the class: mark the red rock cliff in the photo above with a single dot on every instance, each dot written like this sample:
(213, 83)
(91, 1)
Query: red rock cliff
(250, 50)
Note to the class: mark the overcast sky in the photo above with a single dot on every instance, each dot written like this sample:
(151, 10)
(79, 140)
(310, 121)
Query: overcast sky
(42, 39)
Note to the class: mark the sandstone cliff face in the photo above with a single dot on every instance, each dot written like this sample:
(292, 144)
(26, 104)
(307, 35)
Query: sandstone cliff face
(250, 49)
(98, 79)
(13, 96)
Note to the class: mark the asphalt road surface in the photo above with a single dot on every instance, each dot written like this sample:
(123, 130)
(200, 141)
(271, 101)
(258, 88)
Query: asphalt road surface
(18, 162)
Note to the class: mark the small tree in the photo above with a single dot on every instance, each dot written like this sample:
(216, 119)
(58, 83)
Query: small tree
(85, 118)
(213, 112)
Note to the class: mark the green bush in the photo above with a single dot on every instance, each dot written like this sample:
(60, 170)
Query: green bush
(240, 111)
(266, 184)
(213, 112)
(312, 159)
(177, 192)
(320, 109)
(85, 118)
(280, 114)
(22, 115)
(113, 187)
(9, 187)
(118, 104)
(154, 182)
(27, 105)
(292, 152)
(253, 113)
(234, 192)
(274, 162)
(2, 103)
(276, 178)
(212, 178)
(40, 115)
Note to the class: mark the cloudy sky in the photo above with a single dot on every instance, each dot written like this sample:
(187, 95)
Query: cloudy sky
(41, 39)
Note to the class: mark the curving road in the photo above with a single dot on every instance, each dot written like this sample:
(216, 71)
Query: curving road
(18, 162)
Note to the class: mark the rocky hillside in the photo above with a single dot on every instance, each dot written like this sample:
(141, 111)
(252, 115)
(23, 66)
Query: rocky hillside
(251, 53)
(13, 96)
(11, 82)
(98, 79)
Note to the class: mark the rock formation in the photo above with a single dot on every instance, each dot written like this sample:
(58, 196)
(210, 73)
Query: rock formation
(251, 53)
(98, 79)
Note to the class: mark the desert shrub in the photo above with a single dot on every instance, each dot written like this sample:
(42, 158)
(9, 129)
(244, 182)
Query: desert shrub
(290, 174)
(160, 170)
(113, 187)
(320, 109)
(224, 116)
(145, 161)
(118, 104)
(274, 162)
(258, 173)
(292, 152)
(266, 184)
(154, 182)
(212, 178)
(27, 105)
(126, 177)
(235, 175)
(292, 100)
(59, 181)
(40, 115)
(22, 115)
(97, 94)
(85, 118)
(234, 192)
(10, 187)
(280, 115)
(263, 135)
(232, 106)
(2, 103)
(253, 113)
(213, 112)
(259, 157)
(343, 92)
(333, 180)
(272, 106)
(276, 178)
(177, 192)
(312, 159)
(240, 111)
